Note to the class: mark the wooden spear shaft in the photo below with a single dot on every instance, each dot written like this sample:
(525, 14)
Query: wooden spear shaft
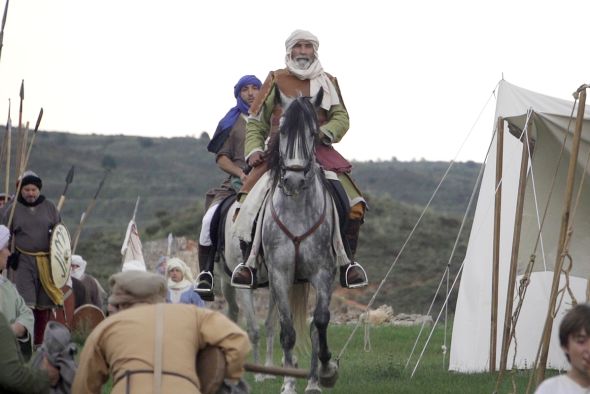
(2, 28)
(277, 371)
(496, 250)
(565, 219)
(87, 213)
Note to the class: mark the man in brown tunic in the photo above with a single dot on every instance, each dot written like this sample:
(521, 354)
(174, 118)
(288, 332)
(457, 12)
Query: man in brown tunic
(228, 145)
(150, 346)
(33, 221)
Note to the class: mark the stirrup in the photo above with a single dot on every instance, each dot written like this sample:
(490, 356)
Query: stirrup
(355, 285)
(251, 285)
(202, 279)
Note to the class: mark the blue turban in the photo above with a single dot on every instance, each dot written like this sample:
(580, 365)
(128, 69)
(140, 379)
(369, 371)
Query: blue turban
(242, 107)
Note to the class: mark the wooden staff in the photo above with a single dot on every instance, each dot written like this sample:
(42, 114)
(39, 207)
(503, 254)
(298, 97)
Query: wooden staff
(18, 164)
(6, 149)
(559, 257)
(496, 251)
(18, 185)
(62, 198)
(277, 371)
(3, 24)
(86, 213)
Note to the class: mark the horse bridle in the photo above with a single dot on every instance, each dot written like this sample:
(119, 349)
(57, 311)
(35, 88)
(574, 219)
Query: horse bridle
(296, 239)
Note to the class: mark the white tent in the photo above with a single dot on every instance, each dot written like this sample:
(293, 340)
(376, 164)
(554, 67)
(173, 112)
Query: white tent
(470, 347)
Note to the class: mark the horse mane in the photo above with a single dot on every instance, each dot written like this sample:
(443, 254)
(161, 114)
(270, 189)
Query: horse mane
(297, 117)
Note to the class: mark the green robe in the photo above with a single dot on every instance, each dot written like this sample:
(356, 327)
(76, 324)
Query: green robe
(14, 308)
(15, 375)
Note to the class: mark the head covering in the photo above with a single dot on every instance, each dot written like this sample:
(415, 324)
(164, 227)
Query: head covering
(78, 273)
(30, 178)
(315, 72)
(133, 265)
(226, 123)
(4, 236)
(161, 266)
(187, 275)
(134, 287)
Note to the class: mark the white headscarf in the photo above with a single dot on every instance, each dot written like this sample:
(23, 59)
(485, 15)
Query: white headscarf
(4, 236)
(187, 275)
(78, 273)
(315, 72)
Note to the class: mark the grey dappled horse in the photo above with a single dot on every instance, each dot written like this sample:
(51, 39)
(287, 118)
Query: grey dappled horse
(244, 298)
(297, 231)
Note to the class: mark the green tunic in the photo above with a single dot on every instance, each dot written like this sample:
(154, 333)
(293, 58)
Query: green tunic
(14, 308)
(15, 375)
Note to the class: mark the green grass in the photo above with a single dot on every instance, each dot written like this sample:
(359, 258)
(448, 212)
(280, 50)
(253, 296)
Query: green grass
(381, 368)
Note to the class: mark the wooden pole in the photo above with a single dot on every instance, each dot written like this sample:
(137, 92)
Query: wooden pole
(565, 219)
(19, 140)
(8, 147)
(2, 27)
(507, 335)
(496, 250)
(62, 198)
(277, 371)
(87, 213)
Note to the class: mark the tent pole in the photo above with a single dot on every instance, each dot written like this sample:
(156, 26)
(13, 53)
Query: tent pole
(546, 337)
(496, 254)
(506, 337)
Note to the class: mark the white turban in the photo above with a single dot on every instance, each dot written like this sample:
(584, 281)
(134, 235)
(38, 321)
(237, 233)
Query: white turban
(133, 265)
(187, 275)
(315, 72)
(78, 273)
(4, 236)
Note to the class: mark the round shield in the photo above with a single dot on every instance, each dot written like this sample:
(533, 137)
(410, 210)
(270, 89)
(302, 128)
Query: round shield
(60, 255)
(86, 317)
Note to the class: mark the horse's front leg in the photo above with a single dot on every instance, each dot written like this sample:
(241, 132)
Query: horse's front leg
(326, 373)
(280, 291)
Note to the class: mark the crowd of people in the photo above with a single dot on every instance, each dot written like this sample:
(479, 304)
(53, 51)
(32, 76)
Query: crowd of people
(157, 322)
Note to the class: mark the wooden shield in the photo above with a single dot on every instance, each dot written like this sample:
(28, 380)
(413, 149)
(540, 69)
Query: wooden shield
(86, 317)
(60, 255)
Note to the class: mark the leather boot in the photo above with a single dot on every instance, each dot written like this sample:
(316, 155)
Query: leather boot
(204, 280)
(244, 277)
(353, 275)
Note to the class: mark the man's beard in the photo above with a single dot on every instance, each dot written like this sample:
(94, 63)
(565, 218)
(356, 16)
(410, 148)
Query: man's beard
(303, 63)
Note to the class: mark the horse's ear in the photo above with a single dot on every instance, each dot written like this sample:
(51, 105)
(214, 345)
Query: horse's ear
(319, 98)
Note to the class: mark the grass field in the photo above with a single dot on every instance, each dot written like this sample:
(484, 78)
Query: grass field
(381, 369)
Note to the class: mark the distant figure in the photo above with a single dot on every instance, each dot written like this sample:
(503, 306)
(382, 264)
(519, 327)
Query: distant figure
(228, 145)
(574, 338)
(150, 346)
(94, 291)
(4, 200)
(160, 268)
(12, 305)
(180, 284)
(29, 265)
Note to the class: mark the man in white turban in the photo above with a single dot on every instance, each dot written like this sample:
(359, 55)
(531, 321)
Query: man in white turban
(304, 75)
(150, 346)
(12, 305)
(94, 292)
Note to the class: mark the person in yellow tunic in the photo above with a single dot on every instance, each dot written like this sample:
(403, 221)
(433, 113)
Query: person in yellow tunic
(150, 346)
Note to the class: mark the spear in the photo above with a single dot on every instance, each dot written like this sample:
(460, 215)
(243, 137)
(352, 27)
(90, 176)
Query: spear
(69, 179)
(18, 185)
(3, 24)
(19, 144)
(169, 250)
(87, 212)
(6, 150)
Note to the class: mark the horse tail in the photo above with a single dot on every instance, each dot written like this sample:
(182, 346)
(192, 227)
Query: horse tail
(299, 299)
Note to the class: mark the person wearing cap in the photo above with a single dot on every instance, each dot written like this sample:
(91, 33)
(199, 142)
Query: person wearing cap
(305, 76)
(151, 346)
(94, 293)
(228, 145)
(12, 305)
(180, 284)
(29, 266)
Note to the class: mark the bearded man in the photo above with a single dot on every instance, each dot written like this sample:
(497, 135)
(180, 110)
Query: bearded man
(304, 75)
(29, 266)
(228, 145)
(150, 346)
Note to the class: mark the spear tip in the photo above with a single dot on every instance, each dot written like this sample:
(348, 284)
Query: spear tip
(39, 120)
(22, 90)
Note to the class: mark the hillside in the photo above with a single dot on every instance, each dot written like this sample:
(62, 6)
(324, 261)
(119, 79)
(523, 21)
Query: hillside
(172, 175)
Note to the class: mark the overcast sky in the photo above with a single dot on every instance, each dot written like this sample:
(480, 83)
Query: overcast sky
(414, 75)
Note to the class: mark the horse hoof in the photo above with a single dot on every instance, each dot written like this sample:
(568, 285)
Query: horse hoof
(313, 388)
(288, 390)
(329, 375)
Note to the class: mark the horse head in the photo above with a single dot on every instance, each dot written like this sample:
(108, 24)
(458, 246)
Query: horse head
(298, 133)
